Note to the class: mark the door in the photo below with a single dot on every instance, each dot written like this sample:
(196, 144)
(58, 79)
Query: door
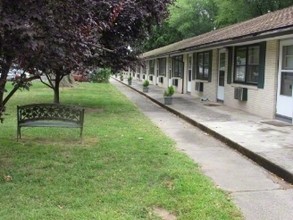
(221, 75)
(189, 77)
(285, 80)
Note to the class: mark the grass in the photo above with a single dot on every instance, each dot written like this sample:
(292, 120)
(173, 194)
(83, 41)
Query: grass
(124, 168)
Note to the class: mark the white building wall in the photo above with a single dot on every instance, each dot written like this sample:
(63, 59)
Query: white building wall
(261, 102)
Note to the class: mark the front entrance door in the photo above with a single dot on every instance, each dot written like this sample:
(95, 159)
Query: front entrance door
(285, 80)
(221, 75)
(189, 77)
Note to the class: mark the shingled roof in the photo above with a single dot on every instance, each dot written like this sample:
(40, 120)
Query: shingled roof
(272, 23)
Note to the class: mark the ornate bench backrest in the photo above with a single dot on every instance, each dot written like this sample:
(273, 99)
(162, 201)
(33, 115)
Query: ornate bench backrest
(35, 112)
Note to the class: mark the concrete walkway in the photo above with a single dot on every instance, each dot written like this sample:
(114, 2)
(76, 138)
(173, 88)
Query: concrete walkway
(258, 193)
(267, 142)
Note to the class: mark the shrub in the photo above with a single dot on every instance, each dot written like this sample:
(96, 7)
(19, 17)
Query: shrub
(121, 77)
(146, 83)
(101, 75)
(169, 91)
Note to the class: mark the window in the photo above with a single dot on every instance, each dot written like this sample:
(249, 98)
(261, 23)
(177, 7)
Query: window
(286, 84)
(247, 64)
(190, 62)
(287, 58)
(177, 66)
(152, 67)
(222, 66)
(203, 65)
(194, 66)
(189, 68)
(162, 67)
(287, 71)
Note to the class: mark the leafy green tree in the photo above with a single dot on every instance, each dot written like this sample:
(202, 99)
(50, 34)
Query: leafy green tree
(54, 37)
(162, 35)
(193, 17)
(101, 75)
(231, 11)
(190, 18)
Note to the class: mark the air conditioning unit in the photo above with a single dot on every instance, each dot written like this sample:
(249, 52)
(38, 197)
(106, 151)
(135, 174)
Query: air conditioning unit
(240, 93)
(175, 82)
(199, 86)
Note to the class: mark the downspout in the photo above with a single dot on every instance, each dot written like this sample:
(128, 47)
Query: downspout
(169, 69)
(183, 77)
(182, 92)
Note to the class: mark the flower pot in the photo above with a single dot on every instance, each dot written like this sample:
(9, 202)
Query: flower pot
(168, 100)
(145, 89)
(129, 83)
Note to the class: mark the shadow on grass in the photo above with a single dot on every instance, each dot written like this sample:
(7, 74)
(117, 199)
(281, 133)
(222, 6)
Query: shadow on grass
(62, 141)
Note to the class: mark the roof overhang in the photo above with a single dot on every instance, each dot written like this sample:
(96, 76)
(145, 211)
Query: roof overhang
(260, 36)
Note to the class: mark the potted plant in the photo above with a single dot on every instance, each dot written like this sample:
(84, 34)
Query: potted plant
(145, 85)
(129, 80)
(168, 95)
(121, 77)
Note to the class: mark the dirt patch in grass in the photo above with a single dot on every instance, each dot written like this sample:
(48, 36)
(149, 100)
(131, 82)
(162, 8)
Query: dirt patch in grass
(169, 184)
(85, 142)
(5, 162)
(163, 214)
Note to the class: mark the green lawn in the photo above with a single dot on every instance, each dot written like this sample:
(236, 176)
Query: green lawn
(124, 169)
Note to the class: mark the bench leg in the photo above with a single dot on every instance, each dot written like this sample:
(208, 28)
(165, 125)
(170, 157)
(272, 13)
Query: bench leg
(81, 130)
(18, 133)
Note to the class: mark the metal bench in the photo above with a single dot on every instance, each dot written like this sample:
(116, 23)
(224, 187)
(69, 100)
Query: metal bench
(49, 115)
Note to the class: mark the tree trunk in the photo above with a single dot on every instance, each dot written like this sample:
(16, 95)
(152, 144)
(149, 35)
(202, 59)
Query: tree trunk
(56, 89)
(5, 69)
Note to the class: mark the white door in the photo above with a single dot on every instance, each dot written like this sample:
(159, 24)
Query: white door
(285, 80)
(189, 77)
(221, 75)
